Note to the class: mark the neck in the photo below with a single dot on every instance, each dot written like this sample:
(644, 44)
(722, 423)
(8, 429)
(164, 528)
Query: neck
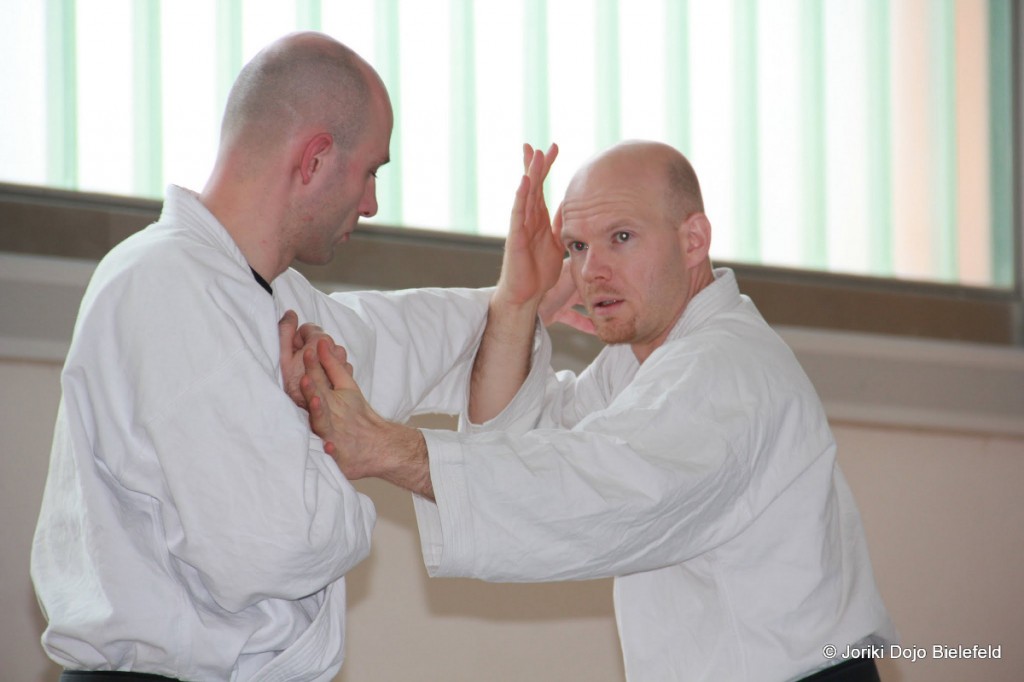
(701, 277)
(248, 215)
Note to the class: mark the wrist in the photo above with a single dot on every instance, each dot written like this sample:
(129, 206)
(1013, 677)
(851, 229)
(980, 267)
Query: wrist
(409, 465)
(508, 301)
(511, 315)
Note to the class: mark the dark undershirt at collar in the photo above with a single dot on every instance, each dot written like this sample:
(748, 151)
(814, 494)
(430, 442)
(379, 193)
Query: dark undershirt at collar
(262, 282)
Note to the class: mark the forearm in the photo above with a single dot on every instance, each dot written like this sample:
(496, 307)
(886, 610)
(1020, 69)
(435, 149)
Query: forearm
(530, 266)
(503, 359)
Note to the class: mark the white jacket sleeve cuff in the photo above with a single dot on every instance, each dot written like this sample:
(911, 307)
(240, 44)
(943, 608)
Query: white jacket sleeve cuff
(524, 410)
(444, 524)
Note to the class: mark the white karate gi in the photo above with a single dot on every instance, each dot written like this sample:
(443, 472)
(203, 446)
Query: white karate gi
(704, 480)
(191, 525)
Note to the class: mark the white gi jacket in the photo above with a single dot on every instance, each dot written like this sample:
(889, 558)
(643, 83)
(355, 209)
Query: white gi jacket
(191, 524)
(704, 480)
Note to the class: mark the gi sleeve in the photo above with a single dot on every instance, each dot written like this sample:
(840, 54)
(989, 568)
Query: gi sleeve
(423, 342)
(664, 472)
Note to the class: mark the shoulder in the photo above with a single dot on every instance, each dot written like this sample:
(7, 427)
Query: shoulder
(162, 290)
(735, 356)
(162, 314)
(168, 261)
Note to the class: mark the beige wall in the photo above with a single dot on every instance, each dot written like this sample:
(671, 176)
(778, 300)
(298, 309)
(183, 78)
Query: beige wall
(28, 405)
(944, 516)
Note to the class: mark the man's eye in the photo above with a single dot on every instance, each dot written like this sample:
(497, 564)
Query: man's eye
(577, 246)
(622, 237)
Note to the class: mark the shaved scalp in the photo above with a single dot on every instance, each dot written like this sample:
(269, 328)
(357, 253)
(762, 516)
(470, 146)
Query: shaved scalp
(684, 195)
(642, 161)
(304, 79)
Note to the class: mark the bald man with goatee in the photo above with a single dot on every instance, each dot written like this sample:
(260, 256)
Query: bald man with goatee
(691, 461)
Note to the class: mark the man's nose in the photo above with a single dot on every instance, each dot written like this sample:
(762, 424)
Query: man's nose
(595, 266)
(368, 206)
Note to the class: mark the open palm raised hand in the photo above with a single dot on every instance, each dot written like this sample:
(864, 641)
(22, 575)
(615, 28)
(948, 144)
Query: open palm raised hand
(533, 253)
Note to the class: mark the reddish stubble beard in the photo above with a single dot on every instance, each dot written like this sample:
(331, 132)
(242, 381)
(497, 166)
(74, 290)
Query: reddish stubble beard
(613, 331)
(618, 331)
(612, 327)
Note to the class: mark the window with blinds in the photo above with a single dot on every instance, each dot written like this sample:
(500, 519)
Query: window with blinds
(871, 137)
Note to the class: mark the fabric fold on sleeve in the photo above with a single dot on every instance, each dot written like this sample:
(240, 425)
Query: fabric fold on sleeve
(433, 518)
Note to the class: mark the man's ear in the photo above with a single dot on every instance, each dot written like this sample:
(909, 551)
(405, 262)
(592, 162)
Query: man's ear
(314, 155)
(696, 235)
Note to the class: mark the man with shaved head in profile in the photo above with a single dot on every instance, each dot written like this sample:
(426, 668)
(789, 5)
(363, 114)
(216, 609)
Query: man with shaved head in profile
(691, 461)
(192, 527)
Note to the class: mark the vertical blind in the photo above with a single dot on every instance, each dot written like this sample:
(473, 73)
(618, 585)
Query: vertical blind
(860, 136)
